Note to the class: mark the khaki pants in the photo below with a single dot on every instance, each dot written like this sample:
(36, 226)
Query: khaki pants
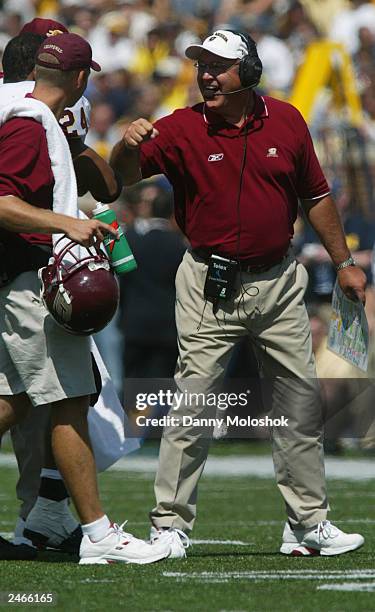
(268, 307)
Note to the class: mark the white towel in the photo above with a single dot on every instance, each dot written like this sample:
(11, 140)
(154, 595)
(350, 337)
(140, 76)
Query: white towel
(65, 197)
(107, 419)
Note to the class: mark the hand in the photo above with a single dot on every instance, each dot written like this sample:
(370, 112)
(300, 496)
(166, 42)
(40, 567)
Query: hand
(352, 281)
(87, 231)
(137, 132)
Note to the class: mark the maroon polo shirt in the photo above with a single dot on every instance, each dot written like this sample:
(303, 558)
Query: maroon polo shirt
(201, 155)
(25, 167)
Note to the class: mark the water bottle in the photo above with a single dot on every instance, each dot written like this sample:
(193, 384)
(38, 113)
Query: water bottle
(118, 250)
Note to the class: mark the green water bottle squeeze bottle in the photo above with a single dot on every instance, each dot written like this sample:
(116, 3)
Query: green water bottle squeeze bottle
(118, 251)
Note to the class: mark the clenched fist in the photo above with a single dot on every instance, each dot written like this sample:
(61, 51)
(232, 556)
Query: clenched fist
(137, 132)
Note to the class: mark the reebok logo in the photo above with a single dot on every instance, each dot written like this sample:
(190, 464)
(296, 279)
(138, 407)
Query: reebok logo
(215, 157)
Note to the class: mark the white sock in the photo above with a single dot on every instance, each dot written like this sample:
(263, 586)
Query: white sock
(97, 530)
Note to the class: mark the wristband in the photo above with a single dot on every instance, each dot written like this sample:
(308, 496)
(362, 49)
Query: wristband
(345, 264)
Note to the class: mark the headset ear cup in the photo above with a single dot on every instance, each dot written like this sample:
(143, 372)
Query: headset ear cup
(243, 72)
(250, 71)
(250, 67)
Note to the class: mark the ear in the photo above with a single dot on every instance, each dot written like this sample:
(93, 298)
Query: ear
(81, 77)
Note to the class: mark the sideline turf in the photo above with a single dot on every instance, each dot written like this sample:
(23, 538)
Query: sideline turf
(245, 509)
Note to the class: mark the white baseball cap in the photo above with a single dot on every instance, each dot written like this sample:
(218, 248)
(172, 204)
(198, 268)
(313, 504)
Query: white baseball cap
(223, 43)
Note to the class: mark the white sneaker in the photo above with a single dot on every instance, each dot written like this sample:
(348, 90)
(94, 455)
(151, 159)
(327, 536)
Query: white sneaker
(178, 539)
(50, 524)
(122, 547)
(324, 539)
(292, 543)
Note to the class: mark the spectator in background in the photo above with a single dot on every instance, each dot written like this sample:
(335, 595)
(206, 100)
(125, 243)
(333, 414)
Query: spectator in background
(102, 134)
(322, 13)
(149, 98)
(231, 11)
(173, 91)
(149, 53)
(277, 60)
(148, 295)
(143, 204)
(122, 93)
(297, 30)
(347, 23)
(359, 234)
(83, 21)
(110, 41)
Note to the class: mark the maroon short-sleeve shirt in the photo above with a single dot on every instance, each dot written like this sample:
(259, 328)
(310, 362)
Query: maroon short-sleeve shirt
(202, 157)
(25, 167)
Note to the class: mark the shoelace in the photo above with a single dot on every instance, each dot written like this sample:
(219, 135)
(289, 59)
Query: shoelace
(118, 529)
(185, 541)
(327, 530)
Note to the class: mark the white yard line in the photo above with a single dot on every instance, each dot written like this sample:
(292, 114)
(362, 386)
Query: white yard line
(260, 576)
(219, 542)
(7, 460)
(262, 467)
(367, 587)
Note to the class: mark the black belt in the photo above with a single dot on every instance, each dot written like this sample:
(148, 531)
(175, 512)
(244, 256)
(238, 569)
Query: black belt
(245, 265)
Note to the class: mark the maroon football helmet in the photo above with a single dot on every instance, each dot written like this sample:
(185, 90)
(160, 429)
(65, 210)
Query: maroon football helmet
(82, 294)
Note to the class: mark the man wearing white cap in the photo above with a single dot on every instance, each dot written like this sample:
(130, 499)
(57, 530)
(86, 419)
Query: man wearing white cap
(239, 164)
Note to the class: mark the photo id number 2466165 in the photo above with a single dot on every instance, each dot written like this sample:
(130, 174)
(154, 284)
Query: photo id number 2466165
(23, 598)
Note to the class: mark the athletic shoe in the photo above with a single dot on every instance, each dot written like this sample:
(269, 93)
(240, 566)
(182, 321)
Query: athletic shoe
(292, 543)
(50, 524)
(119, 546)
(178, 539)
(11, 552)
(325, 539)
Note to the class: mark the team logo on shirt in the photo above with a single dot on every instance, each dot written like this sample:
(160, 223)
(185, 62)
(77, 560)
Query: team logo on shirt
(272, 152)
(215, 157)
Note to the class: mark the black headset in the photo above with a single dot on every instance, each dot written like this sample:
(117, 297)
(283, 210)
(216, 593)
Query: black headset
(250, 68)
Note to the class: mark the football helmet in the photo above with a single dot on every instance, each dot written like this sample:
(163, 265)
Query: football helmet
(81, 293)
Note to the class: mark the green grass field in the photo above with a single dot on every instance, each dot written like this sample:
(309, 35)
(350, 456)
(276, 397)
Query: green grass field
(234, 565)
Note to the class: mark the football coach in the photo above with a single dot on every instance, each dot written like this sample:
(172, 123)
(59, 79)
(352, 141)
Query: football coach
(240, 164)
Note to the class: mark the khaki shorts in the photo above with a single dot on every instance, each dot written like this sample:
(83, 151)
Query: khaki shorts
(36, 355)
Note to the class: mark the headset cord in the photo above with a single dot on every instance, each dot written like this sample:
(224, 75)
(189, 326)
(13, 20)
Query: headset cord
(239, 226)
(238, 203)
(244, 291)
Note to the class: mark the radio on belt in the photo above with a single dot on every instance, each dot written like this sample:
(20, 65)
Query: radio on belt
(220, 278)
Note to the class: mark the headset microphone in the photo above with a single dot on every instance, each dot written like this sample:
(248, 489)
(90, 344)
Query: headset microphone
(228, 93)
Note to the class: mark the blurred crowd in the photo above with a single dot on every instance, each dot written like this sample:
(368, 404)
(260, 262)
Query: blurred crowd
(140, 45)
